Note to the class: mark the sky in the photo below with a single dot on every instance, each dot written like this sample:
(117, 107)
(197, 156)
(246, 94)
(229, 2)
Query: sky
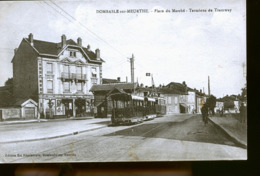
(173, 46)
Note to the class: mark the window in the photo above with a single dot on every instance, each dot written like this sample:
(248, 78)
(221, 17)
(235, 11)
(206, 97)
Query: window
(94, 69)
(73, 54)
(94, 81)
(169, 100)
(49, 86)
(79, 86)
(79, 70)
(66, 69)
(66, 86)
(94, 75)
(49, 68)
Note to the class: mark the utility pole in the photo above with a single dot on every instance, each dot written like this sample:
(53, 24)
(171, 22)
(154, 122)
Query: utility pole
(132, 68)
(208, 85)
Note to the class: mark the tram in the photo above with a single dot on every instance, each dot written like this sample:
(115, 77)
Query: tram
(128, 109)
(160, 106)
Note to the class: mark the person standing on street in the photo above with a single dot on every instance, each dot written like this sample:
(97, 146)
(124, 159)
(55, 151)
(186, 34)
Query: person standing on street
(204, 111)
(242, 110)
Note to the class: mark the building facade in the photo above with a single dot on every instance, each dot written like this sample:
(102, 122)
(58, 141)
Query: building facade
(56, 74)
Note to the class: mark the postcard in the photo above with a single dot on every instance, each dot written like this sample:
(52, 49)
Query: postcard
(117, 81)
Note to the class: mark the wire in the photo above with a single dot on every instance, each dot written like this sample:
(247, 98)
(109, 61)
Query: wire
(87, 28)
(81, 25)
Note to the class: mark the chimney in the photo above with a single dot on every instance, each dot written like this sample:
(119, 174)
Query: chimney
(31, 38)
(79, 42)
(118, 79)
(97, 54)
(15, 50)
(63, 40)
(88, 47)
(126, 80)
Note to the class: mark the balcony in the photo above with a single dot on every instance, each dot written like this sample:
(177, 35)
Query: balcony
(67, 76)
(73, 76)
(80, 77)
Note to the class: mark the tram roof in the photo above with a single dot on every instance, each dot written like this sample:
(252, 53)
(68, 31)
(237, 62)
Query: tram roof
(109, 87)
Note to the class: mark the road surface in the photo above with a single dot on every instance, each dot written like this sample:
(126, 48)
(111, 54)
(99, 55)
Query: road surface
(169, 138)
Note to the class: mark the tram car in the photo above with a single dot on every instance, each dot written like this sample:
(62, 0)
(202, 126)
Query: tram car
(160, 106)
(129, 109)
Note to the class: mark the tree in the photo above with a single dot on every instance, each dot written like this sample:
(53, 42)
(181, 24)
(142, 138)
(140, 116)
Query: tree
(9, 82)
(244, 93)
(229, 105)
(211, 102)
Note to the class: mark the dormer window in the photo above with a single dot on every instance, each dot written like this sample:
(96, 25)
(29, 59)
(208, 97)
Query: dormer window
(73, 54)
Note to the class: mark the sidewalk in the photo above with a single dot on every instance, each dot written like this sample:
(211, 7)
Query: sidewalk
(233, 128)
(33, 130)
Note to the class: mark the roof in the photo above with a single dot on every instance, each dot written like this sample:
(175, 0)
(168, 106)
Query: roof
(108, 87)
(51, 48)
(108, 81)
(23, 101)
(166, 90)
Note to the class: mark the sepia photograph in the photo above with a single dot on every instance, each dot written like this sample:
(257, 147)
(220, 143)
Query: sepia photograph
(123, 81)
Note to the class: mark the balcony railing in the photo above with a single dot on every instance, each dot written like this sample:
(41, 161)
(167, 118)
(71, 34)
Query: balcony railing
(73, 76)
(65, 75)
(79, 76)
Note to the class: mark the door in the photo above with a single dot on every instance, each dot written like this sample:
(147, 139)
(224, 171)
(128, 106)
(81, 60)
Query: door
(29, 112)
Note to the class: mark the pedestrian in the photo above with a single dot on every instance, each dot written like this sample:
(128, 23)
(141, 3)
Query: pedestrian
(204, 111)
(242, 110)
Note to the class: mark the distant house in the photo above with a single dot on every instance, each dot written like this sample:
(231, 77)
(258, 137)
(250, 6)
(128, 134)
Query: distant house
(219, 106)
(200, 100)
(176, 96)
(231, 103)
(173, 103)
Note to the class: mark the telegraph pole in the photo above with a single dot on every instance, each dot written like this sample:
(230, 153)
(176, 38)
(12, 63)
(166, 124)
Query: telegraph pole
(132, 68)
(208, 85)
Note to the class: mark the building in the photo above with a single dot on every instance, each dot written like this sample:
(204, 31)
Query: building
(201, 99)
(176, 96)
(19, 109)
(109, 81)
(56, 74)
(182, 99)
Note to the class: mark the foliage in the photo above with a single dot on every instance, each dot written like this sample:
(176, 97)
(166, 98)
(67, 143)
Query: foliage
(229, 104)
(211, 103)
(244, 93)
(9, 82)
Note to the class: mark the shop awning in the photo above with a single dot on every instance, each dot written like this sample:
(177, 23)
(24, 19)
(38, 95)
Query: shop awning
(184, 105)
(135, 97)
(150, 99)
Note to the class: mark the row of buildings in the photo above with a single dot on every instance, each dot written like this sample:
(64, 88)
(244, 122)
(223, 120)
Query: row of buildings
(50, 77)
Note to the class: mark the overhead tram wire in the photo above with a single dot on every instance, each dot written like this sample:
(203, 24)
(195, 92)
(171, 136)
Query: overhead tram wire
(70, 20)
(122, 61)
(56, 10)
(87, 28)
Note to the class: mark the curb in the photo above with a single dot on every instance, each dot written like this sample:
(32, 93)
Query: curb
(41, 120)
(53, 137)
(241, 143)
